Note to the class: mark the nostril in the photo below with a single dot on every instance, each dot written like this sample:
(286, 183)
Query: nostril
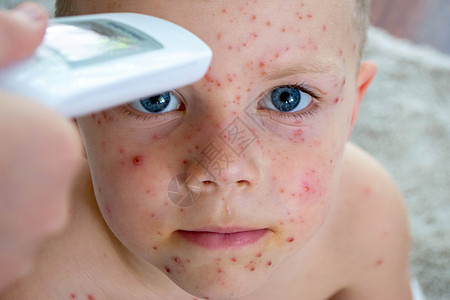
(241, 183)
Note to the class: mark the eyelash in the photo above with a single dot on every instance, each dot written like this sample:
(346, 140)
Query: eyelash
(132, 114)
(314, 106)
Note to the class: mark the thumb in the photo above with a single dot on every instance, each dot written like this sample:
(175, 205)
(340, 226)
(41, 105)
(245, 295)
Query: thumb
(21, 31)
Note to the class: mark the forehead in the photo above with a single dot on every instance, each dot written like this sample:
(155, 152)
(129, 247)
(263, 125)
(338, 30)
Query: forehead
(301, 30)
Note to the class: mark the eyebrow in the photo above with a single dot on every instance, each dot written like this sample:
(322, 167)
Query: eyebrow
(313, 67)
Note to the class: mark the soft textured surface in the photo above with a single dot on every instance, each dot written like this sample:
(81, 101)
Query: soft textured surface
(404, 122)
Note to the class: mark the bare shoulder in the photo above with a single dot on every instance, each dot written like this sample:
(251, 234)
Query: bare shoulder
(371, 214)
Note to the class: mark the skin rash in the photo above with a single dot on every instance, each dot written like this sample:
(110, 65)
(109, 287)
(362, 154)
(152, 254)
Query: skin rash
(282, 182)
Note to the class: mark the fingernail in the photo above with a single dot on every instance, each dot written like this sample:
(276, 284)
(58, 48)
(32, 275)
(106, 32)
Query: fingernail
(31, 10)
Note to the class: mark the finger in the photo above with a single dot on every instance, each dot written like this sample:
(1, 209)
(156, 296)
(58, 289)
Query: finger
(21, 31)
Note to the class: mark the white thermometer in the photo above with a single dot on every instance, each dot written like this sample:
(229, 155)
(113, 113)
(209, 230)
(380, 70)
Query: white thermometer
(90, 63)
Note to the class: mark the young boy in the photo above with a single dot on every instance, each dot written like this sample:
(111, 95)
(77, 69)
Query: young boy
(242, 185)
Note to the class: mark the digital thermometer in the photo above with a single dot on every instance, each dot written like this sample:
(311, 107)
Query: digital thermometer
(90, 63)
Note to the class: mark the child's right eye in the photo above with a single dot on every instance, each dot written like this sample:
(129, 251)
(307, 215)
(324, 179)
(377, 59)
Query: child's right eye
(158, 104)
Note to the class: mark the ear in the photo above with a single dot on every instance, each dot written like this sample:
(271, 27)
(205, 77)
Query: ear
(366, 74)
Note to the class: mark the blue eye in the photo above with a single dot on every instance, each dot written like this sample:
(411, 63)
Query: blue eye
(157, 104)
(286, 99)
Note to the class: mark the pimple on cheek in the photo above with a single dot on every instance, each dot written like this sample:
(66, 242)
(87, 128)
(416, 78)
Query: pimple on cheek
(137, 160)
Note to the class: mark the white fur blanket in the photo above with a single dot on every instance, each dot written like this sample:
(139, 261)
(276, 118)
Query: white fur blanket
(405, 123)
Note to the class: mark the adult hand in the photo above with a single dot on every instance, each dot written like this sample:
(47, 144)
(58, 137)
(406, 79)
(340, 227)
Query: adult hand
(40, 153)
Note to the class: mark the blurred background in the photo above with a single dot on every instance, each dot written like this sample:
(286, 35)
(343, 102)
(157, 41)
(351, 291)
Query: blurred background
(421, 21)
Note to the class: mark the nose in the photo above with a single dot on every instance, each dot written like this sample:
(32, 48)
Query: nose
(217, 167)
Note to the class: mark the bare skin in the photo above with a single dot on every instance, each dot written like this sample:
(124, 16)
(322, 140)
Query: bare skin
(334, 223)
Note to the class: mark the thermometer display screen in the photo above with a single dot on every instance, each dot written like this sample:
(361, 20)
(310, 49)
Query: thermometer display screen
(87, 42)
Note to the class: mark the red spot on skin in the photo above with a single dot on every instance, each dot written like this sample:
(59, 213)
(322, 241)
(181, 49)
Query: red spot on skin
(259, 254)
(220, 271)
(233, 259)
(309, 16)
(282, 191)
(324, 27)
(155, 248)
(379, 262)
(336, 100)
(269, 263)
(261, 65)
(298, 133)
(138, 160)
(290, 240)
(73, 296)
(167, 269)
(268, 23)
(90, 297)
(341, 51)
(185, 162)
(99, 122)
(177, 260)
(253, 18)
(252, 269)
(224, 11)
(219, 36)
(283, 29)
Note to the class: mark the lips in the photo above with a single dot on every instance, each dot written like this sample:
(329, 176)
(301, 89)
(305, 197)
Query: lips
(223, 238)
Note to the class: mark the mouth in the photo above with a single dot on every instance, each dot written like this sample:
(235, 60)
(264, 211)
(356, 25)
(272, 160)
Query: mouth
(223, 238)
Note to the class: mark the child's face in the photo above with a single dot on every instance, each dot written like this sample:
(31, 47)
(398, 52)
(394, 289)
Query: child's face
(265, 156)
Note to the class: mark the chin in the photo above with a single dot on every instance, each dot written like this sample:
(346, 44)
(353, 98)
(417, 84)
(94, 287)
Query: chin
(220, 283)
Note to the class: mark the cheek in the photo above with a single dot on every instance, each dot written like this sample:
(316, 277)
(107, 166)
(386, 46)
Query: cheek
(131, 187)
(305, 189)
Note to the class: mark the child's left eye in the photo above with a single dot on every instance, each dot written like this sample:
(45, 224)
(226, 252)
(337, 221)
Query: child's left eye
(286, 99)
(157, 104)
